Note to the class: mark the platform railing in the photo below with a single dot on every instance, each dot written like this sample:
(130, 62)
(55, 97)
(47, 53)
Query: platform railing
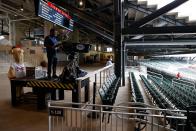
(95, 79)
(123, 117)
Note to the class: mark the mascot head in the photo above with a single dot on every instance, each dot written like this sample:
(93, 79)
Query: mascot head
(18, 54)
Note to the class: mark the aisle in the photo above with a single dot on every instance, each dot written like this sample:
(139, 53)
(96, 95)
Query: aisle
(146, 97)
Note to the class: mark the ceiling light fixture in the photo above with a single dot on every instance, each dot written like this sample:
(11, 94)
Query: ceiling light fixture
(2, 37)
(21, 8)
(81, 3)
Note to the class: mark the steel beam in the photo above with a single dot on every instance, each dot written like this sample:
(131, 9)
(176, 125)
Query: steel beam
(146, 11)
(152, 40)
(151, 48)
(182, 52)
(157, 13)
(156, 44)
(94, 29)
(170, 30)
(33, 18)
(154, 53)
(102, 8)
(12, 12)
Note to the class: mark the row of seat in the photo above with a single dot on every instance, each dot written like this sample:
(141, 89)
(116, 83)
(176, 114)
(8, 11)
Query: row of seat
(108, 92)
(164, 74)
(180, 96)
(177, 97)
(185, 92)
(162, 102)
(185, 86)
(166, 90)
(184, 82)
(172, 77)
(189, 91)
(137, 97)
(135, 91)
(157, 97)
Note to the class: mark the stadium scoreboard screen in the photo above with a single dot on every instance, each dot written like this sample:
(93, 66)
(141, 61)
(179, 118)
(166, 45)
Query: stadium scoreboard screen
(54, 14)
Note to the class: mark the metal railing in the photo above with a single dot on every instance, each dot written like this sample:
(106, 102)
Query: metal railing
(96, 79)
(123, 117)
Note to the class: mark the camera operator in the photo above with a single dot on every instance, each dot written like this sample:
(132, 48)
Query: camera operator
(50, 43)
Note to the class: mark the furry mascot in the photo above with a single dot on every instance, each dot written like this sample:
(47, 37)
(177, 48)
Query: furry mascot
(17, 68)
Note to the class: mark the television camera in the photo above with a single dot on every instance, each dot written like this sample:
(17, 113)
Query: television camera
(70, 48)
(71, 69)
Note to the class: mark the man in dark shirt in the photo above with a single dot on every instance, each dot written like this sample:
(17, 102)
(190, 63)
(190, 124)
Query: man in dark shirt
(50, 43)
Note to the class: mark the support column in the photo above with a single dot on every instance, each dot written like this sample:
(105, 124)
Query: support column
(117, 38)
(126, 56)
(122, 43)
(12, 32)
(123, 63)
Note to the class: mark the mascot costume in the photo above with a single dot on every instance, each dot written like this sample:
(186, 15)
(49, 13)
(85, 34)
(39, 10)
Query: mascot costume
(17, 68)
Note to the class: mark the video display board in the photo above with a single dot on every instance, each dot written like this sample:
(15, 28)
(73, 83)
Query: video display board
(52, 13)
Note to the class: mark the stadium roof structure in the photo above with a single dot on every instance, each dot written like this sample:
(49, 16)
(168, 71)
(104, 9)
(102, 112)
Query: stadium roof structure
(150, 21)
(158, 27)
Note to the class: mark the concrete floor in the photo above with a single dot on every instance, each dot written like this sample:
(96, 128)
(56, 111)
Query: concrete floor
(22, 118)
(25, 117)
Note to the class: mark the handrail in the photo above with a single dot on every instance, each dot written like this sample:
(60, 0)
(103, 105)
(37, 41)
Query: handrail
(133, 105)
(142, 116)
(95, 72)
(103, 73)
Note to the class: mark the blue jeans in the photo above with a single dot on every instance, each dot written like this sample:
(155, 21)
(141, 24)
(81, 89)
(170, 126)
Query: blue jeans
(52, 63)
